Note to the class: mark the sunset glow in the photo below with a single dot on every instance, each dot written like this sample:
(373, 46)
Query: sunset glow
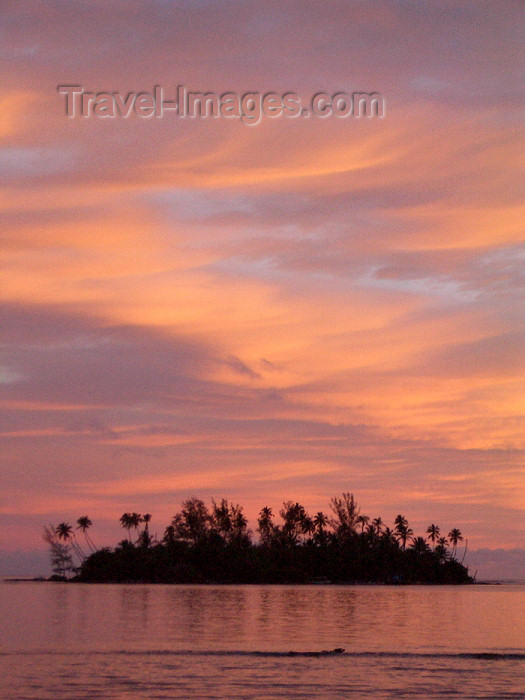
(287, 310)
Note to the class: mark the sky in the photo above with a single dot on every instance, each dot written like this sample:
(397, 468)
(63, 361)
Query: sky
(287, 310)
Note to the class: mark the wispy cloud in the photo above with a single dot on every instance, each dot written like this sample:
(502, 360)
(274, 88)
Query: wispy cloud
(288, 310)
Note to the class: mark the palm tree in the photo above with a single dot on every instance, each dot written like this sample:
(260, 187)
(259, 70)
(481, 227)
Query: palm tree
(308, 525)
(433, 533)
(136, 519)
(146, 519)
(441, 549)
(320, 522)
(388, 537)
(419, 546)
(404, 534)
(61, 559)
(64, 532)
(83, 524)
(455, 537)
(145, 538)
(127, 522)
(401, 520)
(402, 531)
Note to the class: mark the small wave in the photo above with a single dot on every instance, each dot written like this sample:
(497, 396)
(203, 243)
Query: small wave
(484, 655)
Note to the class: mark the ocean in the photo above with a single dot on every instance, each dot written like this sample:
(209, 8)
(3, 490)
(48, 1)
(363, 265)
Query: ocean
(161, 641)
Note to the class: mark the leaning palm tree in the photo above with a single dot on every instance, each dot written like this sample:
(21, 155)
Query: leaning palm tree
(61, 559)
(83, 524)
(433, 533)
(64, 532)
(455, 537)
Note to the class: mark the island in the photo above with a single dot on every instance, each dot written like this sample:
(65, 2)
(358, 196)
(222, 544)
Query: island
(213, 544)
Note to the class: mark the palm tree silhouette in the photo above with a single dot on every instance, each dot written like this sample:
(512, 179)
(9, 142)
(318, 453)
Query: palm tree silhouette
(61, 559)
(83, 524)
(145, 539)
(402, 531)
(441, 549)
(64, 532)
(433, 533)
(308, 525)
(455, 537)
(401, 520)
(127, 522)
(136, 519)
(419, 545)
(320, 522)
(388, 536)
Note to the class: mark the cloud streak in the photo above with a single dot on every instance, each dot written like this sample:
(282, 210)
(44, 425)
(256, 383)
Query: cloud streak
(289, 310)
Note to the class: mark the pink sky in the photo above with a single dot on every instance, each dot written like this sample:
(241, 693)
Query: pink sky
(288, 310)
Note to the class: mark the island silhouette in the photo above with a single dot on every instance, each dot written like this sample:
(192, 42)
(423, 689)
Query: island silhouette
(214, 545)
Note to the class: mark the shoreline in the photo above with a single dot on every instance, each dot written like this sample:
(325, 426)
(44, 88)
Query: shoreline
(41, 579)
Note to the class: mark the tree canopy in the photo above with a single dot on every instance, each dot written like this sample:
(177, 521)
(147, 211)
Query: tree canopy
(205, 544)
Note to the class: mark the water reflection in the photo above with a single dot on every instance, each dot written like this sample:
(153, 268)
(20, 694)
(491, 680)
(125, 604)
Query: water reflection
(194, 641)
(261, 617)
(133, 610)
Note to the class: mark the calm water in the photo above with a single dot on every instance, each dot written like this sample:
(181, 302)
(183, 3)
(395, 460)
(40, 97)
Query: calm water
(144, 641)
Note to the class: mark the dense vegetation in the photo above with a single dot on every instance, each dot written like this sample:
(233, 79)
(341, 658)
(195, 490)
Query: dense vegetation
(208, 545)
